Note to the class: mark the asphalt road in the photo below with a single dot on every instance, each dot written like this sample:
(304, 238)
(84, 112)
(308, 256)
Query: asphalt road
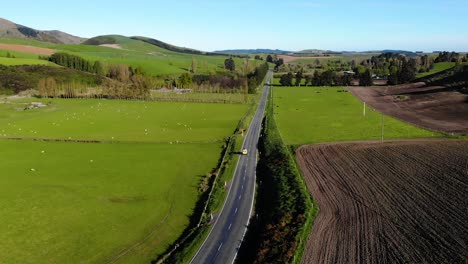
(229, 228)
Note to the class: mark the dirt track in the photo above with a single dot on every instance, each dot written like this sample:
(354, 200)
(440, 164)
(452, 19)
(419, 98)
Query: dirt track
(27, 49)
(397, 202)
(435, 108)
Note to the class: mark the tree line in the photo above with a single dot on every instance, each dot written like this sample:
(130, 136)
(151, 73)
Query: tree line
(221, 80)
(326, 78)
(76, 63)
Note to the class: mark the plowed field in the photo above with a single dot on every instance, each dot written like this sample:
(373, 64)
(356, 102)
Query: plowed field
(397, 202)
(436, 108)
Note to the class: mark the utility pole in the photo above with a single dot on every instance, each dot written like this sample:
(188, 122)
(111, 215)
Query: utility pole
(382, 128)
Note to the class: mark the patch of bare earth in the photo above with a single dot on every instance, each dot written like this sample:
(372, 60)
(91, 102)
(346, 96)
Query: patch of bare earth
(396, 202)
(27, 49)
(114, 46)
(436, 108)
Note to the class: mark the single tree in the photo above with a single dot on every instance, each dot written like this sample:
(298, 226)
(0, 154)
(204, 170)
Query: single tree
(299, 76)
(229, 64)
(269, 58)
(365, 79)
(194, 66)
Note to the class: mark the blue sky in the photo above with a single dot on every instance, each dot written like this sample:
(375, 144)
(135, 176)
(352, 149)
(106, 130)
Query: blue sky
(290, 25)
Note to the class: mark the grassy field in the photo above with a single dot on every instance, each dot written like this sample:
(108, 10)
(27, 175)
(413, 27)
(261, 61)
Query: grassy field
(152, 59)
(113, 120)
(126, 199)
(311, 115)
(202, 97)
(17, 54)
(24, 61)
(438, 67)
(87, 203)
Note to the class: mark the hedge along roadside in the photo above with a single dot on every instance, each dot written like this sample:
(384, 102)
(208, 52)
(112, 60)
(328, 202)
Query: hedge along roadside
(184, 248)
(285, 210)
(311, 207)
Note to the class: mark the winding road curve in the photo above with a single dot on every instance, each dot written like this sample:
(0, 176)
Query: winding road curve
(230, 226)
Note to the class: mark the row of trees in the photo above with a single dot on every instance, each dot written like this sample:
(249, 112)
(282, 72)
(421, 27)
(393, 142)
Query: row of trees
(127, 82)
(139, 87)
(326, 78)
(255, 78)
(387, 64)
(77, 63)
(446, 56)
(329, 64)
(221, 80)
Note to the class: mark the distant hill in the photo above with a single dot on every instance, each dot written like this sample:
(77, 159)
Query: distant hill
(254, 51)
(170, 47)
(102, 40)
(330, 52)
(117, 39)
(12, 30)
(65, 38)
(316, 51)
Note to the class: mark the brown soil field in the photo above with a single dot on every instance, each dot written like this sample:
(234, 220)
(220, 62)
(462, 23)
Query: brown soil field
(27, 49)
(435, 108)
(287, 58)
(392, 202)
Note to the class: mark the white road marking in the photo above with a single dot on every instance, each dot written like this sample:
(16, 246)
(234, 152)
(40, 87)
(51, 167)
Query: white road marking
(242, 186)
(229, 228)
(235, 211)
(240, 196)
(220, 246)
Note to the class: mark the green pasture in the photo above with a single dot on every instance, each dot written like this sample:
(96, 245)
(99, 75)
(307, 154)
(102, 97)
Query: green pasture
(235, 97)
(152, 59)
(17, 54)
(118, 120)
(438, 67)
(96, 203)
(124, 200)
(326, 114)
(24, 61)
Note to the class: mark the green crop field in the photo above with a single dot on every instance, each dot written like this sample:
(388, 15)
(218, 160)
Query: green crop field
(438, 67)
(125, 199)
(310, 115)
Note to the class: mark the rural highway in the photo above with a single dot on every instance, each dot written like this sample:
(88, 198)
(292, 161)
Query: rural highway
(229, 228)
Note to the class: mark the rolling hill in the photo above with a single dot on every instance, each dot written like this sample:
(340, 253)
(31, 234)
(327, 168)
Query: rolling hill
(254, 51)
(10, 29)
